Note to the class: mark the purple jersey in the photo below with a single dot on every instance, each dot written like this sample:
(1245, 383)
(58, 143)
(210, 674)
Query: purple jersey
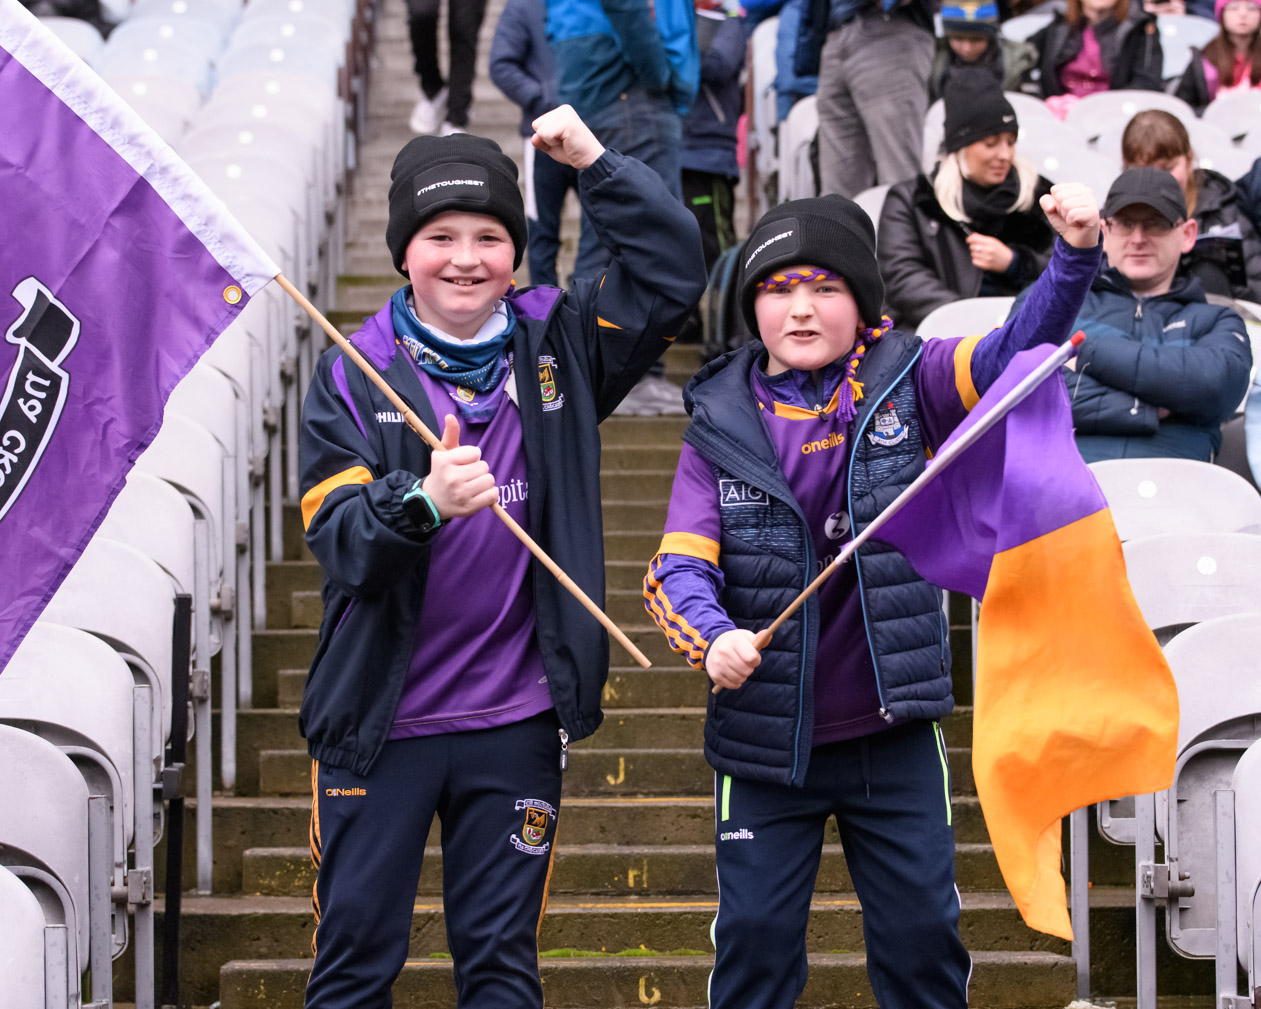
(475, 662)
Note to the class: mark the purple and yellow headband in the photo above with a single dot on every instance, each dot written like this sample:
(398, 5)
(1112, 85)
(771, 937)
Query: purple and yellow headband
(795, 277)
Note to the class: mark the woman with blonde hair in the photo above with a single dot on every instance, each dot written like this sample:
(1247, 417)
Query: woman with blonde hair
(1098, 45)
(973, 227)
(1231, 62)
(1159, 139)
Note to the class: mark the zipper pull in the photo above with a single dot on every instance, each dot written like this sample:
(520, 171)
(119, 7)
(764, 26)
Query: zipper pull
(564, 750)
(1134, 408)
(1138, 310)
(886, 714)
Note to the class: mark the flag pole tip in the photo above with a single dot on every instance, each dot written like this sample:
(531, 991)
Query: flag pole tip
(1078, 338)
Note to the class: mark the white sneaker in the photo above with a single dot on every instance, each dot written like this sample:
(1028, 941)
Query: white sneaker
(447, 129)
(428, 112)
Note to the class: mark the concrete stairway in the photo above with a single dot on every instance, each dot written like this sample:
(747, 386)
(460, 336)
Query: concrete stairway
(633, 892)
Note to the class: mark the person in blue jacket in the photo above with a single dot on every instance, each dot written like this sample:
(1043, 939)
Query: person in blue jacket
(523, 68)
(797, 441)
(1161, 368)
(452, 669)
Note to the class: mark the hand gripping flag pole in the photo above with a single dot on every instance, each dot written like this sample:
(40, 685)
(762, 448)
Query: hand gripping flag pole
(432, 441)
(1004, 406)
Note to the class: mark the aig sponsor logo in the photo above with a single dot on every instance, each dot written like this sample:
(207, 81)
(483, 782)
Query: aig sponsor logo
(733, 493)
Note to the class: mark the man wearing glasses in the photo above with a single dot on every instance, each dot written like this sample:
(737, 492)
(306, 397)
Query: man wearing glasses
(1161, 368)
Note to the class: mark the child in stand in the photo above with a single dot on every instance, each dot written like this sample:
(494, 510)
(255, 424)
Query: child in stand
(452, 669)
(796, 443)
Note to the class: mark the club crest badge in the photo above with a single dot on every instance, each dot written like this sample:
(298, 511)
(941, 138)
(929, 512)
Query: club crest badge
(887, 427)
(465, 394)
(553, 398)
(538, 817)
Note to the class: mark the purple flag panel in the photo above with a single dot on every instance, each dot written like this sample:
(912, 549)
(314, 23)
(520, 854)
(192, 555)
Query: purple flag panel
(118, 269)
(1022, 479)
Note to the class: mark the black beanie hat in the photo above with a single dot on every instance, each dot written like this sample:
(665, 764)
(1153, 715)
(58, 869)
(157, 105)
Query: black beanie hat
(975, 109)
(460, 172)
(825, 231)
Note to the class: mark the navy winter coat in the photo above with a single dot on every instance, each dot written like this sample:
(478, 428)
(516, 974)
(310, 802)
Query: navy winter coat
(521, 61)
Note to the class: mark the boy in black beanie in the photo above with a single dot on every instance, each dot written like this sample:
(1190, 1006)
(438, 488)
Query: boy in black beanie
(796, 443)
(452, 669)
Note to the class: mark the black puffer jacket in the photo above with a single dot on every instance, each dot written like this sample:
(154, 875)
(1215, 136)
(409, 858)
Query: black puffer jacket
(1131, 51)
(924, 257)
(1218, 207)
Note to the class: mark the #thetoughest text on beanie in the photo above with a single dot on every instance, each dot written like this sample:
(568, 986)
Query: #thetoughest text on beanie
(825, 231)
(432, 175)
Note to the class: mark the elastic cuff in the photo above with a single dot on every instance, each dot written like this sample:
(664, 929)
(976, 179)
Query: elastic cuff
(600, 169)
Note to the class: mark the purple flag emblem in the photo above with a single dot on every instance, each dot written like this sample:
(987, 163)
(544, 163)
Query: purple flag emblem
(118, 269)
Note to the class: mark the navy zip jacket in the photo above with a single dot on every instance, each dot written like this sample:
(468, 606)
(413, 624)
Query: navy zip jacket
(765, 554)
(358, 460)
(709, 129)
(521, 61)
(1171, 352)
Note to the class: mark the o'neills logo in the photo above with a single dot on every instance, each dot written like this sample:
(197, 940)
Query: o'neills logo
(823, 444)
(786, 233)
(743, 834)
(450, 182)
(345, 791)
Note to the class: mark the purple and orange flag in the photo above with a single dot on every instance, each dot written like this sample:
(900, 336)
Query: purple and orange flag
(118, 269)
(1074, 700)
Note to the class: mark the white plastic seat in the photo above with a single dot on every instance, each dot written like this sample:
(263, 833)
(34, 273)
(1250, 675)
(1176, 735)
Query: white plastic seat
(151, 516)
(176, 94)
(292, 56)
(171, 126)
(71, 688)
(1076, 165)
(1231, 161)
(1148, 497)
(872, 202)
(1246, 783)
(22, 952)
(223, 13)
(1025, 26)
(44, 836)
(1237, 113)
(1097, 113)
(197, 32)
(170, 59)
(80, 37)
(796, 135)
(120, 595)
(762, 115)
(1035, 120)
(311, 29)
(965, 317)
(1216, 665)
(337, 12)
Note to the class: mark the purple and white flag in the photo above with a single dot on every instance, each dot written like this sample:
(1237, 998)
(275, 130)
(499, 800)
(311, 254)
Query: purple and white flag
(118, 269)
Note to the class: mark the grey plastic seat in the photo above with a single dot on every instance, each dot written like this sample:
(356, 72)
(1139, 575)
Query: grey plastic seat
(44, 836)
(23, 958)
(153, 517)
(965, 317)
(1246, 783)
(1152, 496)
(796, 135)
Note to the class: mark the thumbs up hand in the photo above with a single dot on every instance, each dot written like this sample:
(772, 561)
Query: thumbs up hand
(459, 482)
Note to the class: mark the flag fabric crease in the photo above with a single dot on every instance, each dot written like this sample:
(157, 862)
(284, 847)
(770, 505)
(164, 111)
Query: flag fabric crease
(1074, 700)
(118, 269)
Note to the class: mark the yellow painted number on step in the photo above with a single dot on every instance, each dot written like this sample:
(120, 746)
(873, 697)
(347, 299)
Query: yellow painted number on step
(641, 873)
(609, 693)
(644, 997)
(621, 773)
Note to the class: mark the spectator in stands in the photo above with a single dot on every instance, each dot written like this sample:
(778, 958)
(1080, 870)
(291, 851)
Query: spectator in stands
(790, 86)
(973, 228)
(444, 102)
(872, 58)
(524, 69)
(1158, 138)
(1231, 62)
(830, 406)
(1098, 45)
(90, 11)
(971, 40)
(452, 670)
(1248, 190)
(1161, 368)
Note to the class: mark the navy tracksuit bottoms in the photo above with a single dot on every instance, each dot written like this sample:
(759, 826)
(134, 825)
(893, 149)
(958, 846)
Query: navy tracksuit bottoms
(890, 793)
(496, 792)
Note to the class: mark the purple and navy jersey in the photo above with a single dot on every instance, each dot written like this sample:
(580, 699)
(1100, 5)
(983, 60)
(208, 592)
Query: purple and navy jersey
(684, 584)
(475, 661)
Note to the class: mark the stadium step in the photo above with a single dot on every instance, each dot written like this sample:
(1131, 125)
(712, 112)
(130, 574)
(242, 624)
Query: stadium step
(1011, 980)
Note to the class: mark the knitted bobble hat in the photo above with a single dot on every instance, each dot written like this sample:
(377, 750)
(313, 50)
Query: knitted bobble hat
(830, 232)
(432, 175)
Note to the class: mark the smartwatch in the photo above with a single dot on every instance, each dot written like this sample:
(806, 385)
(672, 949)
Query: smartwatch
(419, 507)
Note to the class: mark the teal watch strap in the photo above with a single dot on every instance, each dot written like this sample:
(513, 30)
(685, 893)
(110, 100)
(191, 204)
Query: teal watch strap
(421, 509)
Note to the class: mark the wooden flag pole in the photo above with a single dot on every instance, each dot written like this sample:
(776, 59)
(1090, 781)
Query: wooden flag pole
(432, 441)
(1003, 407)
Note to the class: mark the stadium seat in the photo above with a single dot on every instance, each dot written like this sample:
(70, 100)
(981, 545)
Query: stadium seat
(1215, 665)
(23, 950)
(1246, 784)
(223, 13)
(172, 93)
(1238, 114)
(872, 201)
(44, 839)
(292, 56)
(312, 29)
(199, 33)
(965, 317)
(1178, 34)
(170, 59)
(1076, 165)
(796, 137)
(1038, 128)
(762, 71)
(1025, 26)
(79, 37)
(71, 688)
(151, 516)
(1148, 497)
(1100, 112)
